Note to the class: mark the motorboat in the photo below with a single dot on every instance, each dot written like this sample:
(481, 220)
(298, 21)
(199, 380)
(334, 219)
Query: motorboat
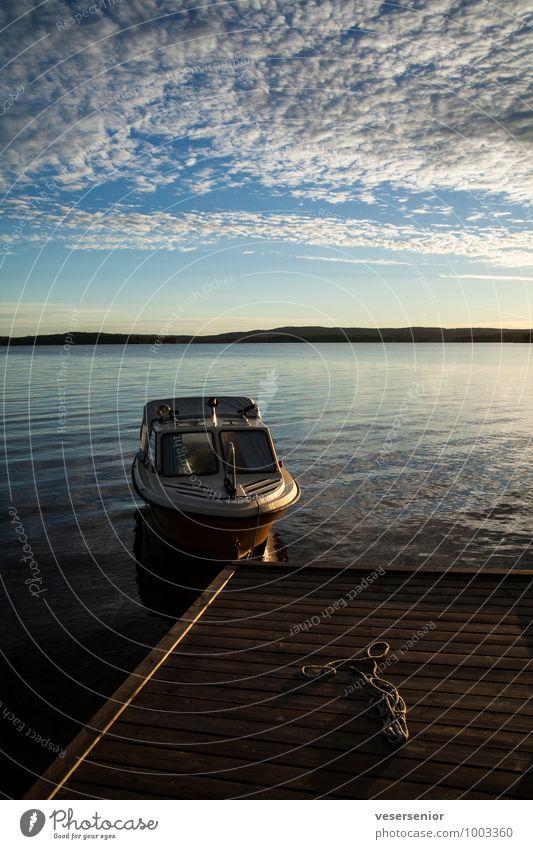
(209, 471)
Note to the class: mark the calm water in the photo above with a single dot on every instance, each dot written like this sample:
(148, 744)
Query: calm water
(405, 454)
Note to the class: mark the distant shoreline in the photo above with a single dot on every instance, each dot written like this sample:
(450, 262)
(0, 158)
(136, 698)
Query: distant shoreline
(289, 335)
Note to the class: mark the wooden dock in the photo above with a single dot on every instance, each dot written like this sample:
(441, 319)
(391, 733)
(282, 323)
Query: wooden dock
(220, 709)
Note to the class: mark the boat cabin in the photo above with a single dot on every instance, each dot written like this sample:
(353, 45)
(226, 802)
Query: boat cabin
(195, 438)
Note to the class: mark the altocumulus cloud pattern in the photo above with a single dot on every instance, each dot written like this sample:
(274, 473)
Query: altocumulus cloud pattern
(310, 103)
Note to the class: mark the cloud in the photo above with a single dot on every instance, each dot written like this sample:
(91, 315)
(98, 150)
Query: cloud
(484, 277)
(356, 106)
(122, 228)
(327, 100)
(350, 261)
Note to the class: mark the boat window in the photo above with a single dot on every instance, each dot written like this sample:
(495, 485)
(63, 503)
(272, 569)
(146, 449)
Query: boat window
(253, 452)
(188, 454)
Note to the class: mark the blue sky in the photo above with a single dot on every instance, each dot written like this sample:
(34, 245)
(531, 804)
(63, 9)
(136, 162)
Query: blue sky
(253, 164)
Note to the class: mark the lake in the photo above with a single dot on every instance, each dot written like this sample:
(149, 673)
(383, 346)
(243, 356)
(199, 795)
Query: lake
(406, 454)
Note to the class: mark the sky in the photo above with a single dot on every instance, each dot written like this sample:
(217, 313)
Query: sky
(204, 167)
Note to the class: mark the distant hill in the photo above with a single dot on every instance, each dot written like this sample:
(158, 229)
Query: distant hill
(288, 335)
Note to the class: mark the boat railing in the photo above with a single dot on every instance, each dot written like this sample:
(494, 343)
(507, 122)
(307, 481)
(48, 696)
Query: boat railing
(231, 470)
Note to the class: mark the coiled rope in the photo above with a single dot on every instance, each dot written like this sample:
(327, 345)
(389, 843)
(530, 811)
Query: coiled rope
(384, 696)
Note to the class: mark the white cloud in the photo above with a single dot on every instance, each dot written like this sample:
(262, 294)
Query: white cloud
(327, 100)
(485, 277)
(350, 261)
(121, 228)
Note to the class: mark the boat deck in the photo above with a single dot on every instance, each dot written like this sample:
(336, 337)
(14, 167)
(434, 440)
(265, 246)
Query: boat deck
(220, 709)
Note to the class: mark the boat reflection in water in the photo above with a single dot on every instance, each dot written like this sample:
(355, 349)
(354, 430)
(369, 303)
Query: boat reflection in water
(209, 472)
(170, 580)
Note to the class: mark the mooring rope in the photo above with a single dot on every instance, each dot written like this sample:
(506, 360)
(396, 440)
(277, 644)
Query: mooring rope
(384, 696)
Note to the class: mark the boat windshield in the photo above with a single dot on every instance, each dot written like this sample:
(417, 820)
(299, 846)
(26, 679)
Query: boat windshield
(188, 454)
(253, 452)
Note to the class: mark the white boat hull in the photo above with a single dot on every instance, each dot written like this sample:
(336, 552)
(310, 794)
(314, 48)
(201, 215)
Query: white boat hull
(224, 530)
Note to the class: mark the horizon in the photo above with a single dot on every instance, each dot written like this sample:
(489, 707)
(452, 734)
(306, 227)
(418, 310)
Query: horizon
(252, 330)
(222, 167)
